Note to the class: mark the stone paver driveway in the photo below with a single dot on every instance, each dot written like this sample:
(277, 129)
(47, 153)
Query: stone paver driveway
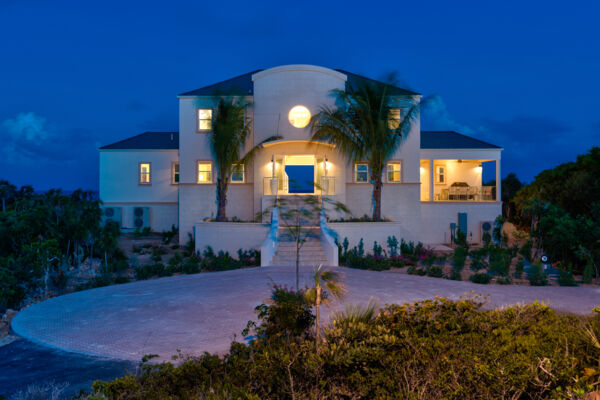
(204, 312)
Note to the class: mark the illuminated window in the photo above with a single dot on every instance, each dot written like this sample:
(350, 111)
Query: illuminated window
(394, 171)
(361, 172)
(204, 119)
(299, 116)
(145, 177)
(237, 175)
(204, 172)
(394, 118)
(440, 174)
(175, 173)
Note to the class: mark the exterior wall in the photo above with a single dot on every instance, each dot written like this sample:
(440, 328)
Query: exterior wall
(119, 186)
(399, 201)
(230, 236)
(437, 216)
(371, 232)
(277, 90)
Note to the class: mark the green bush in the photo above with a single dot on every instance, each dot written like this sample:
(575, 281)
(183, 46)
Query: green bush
(149, 271)
(503, 280)
(435, 272)
(459, 257)
(588, 273)
(433, 349)
(566, 277)
(455, 275)
(191, 265)
(525, 250)
(537, 276)
(519, 268)
(478, 259)
(12, 292)
(480, 278)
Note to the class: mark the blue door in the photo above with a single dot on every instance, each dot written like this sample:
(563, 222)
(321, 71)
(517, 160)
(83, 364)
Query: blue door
(301, 178)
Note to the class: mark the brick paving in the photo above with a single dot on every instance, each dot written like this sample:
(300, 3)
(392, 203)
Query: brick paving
(204, 312)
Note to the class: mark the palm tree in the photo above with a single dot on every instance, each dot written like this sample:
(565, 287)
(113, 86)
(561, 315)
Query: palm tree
(230, 132)
(327, 283)
(366, 126)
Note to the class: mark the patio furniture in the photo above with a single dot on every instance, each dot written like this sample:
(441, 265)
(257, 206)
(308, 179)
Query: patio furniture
(487, 192)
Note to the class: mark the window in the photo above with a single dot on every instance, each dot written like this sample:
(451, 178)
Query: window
(145, 173)
(237, 174)
(361, 172)
(394, 172)
(204, 119)
(175, 173)
(204, 172)
(394, 118)
(440, 174)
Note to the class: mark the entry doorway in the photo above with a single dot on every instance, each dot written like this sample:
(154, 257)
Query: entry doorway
(300, 174)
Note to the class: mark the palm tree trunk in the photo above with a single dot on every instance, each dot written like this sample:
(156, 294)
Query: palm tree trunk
(317, 324)
(297, 263)
(377, 198)
(221, 200)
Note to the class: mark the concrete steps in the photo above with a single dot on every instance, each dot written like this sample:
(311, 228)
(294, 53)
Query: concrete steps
(311, 252)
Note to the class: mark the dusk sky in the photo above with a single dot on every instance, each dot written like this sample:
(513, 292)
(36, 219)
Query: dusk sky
(76, 75)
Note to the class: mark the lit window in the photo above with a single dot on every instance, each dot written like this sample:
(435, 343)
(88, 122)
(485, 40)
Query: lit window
(145, 177)
(204, 172)
(440, 174)
(299, 116)
(237, 175)
(175, 173)
(394, 118)
(394, 172)
(361, 172)
(204, 119)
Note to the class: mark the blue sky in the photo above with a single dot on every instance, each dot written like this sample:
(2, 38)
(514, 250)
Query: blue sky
(75, 75)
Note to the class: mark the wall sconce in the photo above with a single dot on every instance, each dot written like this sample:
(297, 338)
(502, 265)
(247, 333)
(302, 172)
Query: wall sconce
(478, 169)
(422, 170)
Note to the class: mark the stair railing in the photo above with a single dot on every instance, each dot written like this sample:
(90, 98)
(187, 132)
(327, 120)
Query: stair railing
(267, 250)
(328, 241)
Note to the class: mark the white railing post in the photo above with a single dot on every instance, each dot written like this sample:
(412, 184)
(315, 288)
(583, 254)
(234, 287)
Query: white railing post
(328, 242)
(267, 250)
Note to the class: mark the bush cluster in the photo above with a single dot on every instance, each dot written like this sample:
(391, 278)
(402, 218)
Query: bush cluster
(434, 349)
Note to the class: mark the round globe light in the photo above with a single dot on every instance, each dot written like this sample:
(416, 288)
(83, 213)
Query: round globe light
(299, 116)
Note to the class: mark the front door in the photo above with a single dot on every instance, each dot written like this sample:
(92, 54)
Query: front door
(301, 178)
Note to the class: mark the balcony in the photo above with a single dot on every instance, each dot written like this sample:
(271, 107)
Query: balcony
(325, 186)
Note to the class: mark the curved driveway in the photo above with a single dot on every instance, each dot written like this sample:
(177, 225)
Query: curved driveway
(203, 312)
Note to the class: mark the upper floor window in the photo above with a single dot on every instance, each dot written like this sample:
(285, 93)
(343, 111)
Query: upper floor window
(394, 118)
(175, 173)
(204, 172)
(361, 172)
(204, 119)
(145, 173)
(394, 172)
(440, 174)
(237, 175)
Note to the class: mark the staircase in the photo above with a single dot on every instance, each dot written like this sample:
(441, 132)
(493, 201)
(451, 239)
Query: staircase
(311, 252)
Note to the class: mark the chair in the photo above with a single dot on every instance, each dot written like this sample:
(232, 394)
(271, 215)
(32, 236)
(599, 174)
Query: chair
(462, 192)
(473, 193)
(452, 193)
(487, 192)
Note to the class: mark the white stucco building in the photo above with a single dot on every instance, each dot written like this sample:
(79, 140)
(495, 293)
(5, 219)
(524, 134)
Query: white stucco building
(160, 179)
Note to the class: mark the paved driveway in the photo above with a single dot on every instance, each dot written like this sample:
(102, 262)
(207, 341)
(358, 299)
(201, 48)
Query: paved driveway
(204, 312)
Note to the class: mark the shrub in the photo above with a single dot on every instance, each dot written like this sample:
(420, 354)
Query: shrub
(392, 243)
(537, 276)
(459, 257)
(566, 277)
(455, 275)
(12, 292)
(503, 280)
(480, 278)
(149, 271)
(167, 236)
(191, 265)
(478, 259)
(588, 273)
(500, 260)
(525, 250)
(519, 268)
(122, 279)
(435, 271)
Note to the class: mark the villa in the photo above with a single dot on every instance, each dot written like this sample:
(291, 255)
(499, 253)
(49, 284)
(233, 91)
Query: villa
(432, 185)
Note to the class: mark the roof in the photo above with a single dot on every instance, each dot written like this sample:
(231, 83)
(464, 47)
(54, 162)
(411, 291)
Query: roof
(355, 79)
(243, 85)
(147, 141)
(449, 140)
(239, 85)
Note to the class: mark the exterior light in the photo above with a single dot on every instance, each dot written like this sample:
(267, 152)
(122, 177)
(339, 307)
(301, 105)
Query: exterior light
(299, 116)
(478, 169)
(422, 170)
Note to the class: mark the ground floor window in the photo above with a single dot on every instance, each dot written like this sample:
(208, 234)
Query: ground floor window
(394, 172)
(204, 172)
(440, 174)
(361, 172)
(145, 173)
(175, 173)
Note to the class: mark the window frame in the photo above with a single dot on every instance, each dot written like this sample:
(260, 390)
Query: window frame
(243, 173)
(356, 172)
(173, 164)
(387, 171)
(393, 121)
(436, 175)
(198, 162)
(198, 130)
(140, 183)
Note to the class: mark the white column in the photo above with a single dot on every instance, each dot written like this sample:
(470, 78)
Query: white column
(498, 182)
(431, 180)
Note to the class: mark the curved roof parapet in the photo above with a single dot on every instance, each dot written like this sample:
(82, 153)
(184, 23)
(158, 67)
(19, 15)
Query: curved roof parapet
(299, 67)
(283, 141)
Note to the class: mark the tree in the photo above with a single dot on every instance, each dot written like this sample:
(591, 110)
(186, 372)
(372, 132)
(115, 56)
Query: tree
(230, 132)
(367, 125)
(510, 186)
(327, 283)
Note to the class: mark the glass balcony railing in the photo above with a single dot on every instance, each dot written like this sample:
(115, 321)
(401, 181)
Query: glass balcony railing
(272, 186)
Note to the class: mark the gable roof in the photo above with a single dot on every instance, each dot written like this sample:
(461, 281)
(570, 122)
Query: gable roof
(147, 141)
(239, 85)
(354, 79)
(452, 140)
(243, 85)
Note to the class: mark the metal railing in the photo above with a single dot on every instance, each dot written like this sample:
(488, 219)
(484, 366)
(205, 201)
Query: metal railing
(467, 193)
